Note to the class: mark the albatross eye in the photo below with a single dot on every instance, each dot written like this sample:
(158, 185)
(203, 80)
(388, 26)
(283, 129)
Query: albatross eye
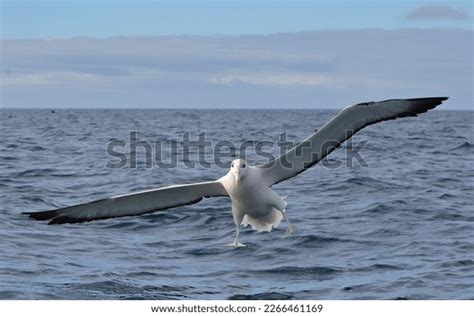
(243, 166)
(232, 166)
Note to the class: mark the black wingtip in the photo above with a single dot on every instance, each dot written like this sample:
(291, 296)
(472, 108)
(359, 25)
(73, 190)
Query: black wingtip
(54, 217)
(422, 105)
(429, 100)
(42, 216)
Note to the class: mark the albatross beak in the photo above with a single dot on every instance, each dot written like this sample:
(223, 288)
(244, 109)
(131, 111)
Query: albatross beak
(237, 178)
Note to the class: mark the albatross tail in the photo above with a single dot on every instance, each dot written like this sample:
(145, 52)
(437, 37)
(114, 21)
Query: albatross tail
(264, 223)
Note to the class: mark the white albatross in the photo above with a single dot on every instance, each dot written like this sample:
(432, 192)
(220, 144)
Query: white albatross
(254, 203)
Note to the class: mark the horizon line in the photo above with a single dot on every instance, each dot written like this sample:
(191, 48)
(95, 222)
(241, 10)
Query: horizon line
(197, 109)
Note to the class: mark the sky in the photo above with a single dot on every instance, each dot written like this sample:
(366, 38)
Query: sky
(233, 54)
(44, 19)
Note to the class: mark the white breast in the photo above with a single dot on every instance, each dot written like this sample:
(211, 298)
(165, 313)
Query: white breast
(252, 195)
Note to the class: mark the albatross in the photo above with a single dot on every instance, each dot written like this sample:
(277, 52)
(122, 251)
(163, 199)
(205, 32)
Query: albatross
(253, 201)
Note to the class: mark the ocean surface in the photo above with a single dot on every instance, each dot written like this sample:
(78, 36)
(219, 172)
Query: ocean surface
(391, 216)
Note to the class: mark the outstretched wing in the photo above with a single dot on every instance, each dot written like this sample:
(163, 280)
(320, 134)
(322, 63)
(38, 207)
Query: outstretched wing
(133, 203)
(340, 128)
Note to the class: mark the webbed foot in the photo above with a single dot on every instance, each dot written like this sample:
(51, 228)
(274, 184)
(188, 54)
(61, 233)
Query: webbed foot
(236, 244)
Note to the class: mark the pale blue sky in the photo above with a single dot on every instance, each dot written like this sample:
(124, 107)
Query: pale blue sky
(72, 18)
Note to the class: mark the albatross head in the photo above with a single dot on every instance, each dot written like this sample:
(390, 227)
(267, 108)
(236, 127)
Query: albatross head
(238, 168)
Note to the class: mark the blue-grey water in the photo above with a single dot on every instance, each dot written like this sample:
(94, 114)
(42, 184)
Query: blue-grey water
(400, 227)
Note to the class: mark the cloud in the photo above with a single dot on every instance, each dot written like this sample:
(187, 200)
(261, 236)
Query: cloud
(273, 79)
(325, 69)
(437, 12)
(43, 78)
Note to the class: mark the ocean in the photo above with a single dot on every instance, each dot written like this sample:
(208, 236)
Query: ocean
(389, 215)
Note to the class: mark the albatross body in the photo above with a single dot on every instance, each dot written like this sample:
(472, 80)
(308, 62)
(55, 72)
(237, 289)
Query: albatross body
(253, 201)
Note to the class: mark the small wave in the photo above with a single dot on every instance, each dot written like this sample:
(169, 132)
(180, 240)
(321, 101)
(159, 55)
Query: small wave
(451, 216)
(311, 240)
(262, 296)
(204, 252)
(371, 182)
(39, 200)
(64, 175)
(447, 196)
(383, 232)
(167, 288)
(444, 180)
(35, 148)
(378, 208)
(457, 263)
(356, 288)
(34, 172)
(12, 295)
(142, 274)
(160, 244)
(123, 290)
(377, 267)
(164, 217)
(74, 264)
(302, 271)
(360, 180)
(464, 146)
(122, 225)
